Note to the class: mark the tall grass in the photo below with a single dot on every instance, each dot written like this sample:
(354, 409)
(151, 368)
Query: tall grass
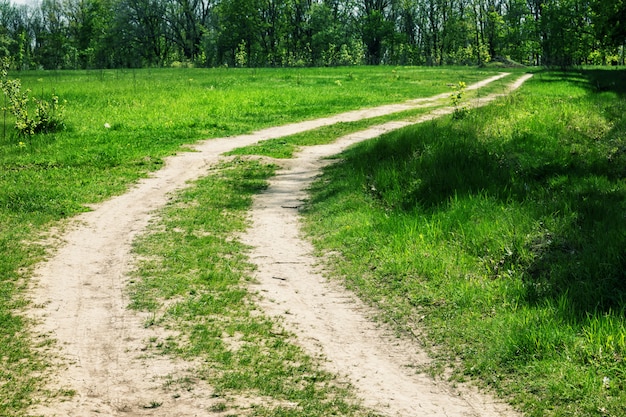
(505, 234)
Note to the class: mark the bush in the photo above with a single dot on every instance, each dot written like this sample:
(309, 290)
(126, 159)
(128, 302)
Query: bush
(32, 115)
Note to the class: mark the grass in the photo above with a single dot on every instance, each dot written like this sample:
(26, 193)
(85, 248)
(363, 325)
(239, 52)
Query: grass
(285, 147)
(150, 114)
(195, 268)
(503, 235)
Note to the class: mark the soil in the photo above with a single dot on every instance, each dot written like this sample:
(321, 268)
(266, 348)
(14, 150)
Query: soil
(79, 300)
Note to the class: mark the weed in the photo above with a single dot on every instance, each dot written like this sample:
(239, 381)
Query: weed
(219, 407)
(455, 99)
(45, 117)
(152, 405)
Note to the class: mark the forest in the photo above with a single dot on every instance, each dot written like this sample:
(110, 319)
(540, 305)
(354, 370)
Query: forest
(97, 34)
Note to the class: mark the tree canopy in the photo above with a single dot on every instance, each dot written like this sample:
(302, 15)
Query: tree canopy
(54, 34)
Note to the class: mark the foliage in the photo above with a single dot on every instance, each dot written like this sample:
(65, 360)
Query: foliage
(137, 33)
(241, 56)
(610, 21)
(456, 97)
(44, 117)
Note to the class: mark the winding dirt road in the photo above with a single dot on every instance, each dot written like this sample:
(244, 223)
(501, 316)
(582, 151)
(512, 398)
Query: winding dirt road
(79, 297)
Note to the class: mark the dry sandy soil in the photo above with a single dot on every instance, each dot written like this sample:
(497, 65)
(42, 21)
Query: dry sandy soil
(78, 298)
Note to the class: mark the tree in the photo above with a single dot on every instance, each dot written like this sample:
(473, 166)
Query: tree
(519, 42)
(6, 38)
(86, 26)
(187, 21)
(407, 33)
(113, 33)
(274, 18)
(565, 32)
(376, 28)
(142, 28)
(610, 21)
(51, 36)
(326, 30)
(15, 34)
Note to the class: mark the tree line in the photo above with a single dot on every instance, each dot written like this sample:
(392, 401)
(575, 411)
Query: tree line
(54, 34)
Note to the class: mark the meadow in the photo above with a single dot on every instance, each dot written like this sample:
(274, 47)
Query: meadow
(495, 238)
(120, 124)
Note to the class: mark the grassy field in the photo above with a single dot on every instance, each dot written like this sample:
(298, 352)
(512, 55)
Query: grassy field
(497, 238)
(503, 235)
(120, 126)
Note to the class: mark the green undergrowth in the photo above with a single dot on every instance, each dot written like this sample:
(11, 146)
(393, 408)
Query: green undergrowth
(120, 125)
(499, 239)
(194, 267)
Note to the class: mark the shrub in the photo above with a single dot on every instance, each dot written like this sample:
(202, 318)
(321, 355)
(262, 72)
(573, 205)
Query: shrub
(32, 115)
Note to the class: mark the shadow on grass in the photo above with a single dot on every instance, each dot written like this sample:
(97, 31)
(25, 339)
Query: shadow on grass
(593, 80)
(571, 185)
(599, 81)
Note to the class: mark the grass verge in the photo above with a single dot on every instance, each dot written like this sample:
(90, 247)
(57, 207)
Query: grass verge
(501, 233)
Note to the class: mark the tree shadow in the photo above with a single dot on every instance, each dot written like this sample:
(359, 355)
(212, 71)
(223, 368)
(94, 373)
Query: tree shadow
(578, 201)
(585, 259)
(601, 80)
(593, 80)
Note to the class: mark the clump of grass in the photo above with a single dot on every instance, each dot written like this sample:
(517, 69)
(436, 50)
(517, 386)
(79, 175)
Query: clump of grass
(285, 147)
(503, 234)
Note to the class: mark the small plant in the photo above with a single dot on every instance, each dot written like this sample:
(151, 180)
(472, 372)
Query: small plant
(456, 97)
(241, 56)
(152, 405)
(45, 117)
(219, 407)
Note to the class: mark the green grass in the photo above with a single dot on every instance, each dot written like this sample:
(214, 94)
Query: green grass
(286, 146)
(151, 114)
(503, 234)
(195, 267)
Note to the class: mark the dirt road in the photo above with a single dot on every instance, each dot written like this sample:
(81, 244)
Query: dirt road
(79, 299)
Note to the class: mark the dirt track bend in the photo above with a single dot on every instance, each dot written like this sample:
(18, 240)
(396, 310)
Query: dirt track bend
(79, 300)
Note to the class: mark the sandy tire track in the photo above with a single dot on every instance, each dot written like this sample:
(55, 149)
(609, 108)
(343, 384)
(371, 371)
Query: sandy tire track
(78, 295)
(332, 322)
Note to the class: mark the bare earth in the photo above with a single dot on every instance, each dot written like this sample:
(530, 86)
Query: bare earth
(79, 298)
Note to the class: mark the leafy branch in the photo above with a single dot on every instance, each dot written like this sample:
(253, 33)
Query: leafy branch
(456, 97)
